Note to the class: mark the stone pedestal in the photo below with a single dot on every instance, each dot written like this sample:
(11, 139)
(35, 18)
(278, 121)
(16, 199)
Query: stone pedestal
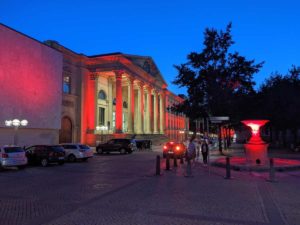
(256, 154)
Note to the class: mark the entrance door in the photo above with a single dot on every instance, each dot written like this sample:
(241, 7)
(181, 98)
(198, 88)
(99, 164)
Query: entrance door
(65, 134)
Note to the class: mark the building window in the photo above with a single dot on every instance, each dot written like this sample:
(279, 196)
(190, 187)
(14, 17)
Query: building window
(101, 95)
(101, 116)
(67, 85)
(125, 105)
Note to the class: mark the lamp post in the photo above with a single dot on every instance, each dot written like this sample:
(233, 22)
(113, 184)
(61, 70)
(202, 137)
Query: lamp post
(16, 123)
(181, 133)
(101, 128)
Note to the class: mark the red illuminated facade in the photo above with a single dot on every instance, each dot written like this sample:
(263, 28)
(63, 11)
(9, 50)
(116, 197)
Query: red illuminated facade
(70, 97)
(134, 98)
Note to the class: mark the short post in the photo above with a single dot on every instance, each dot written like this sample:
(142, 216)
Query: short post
(175, 160)
(157, 173)
(168, 162)
(272, 171)
(188, 169)
(181, 160)
(228, 173)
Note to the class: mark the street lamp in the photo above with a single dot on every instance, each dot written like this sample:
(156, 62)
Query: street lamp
(101, 128)
(16, 123)
(181, 134)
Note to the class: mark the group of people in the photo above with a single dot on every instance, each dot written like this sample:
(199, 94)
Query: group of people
(194, 147)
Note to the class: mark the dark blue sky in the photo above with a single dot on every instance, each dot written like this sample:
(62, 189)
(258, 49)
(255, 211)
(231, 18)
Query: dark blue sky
(166, 30)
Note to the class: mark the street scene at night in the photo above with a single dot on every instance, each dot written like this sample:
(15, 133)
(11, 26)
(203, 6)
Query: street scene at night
(149, 112)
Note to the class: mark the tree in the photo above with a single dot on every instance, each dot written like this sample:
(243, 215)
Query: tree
(279, 100)
(216, 79)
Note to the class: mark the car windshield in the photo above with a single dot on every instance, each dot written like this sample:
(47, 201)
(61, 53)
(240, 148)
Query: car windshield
(57, 148)
(13, 149)
(84, 147)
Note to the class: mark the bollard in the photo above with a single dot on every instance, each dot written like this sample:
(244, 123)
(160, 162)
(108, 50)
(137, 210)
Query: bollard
(181, 160)
(175, 160)
(168, 162)
(228, 174)
(188, 169)
(157, 165)
(272, 171)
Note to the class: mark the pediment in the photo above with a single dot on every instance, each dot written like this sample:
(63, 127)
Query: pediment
(148, 65)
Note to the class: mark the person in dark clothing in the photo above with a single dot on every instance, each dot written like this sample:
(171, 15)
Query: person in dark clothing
(204, 150)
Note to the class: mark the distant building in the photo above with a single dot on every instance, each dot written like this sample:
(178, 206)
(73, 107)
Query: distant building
(66, 96)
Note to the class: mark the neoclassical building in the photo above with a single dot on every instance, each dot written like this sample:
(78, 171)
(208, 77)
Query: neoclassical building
(120, 94)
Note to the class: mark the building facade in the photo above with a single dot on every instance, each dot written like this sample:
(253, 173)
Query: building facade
(120, 94)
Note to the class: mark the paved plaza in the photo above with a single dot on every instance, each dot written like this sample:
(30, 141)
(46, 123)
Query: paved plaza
(122, 189)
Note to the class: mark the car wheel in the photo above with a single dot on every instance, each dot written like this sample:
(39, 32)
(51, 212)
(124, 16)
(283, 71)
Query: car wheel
(44, 162)
(123, 151)
(99, 150)
(72, 158)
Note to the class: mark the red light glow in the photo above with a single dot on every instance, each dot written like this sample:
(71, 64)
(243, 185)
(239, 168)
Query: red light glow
(256, 148)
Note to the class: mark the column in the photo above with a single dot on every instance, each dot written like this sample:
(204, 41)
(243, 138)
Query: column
(141, 105)
(166, 104)
(110, 104)
(130, 105)
(119, 102)
(162, 112)
(155, 112)
(150, 111)
(90, 108)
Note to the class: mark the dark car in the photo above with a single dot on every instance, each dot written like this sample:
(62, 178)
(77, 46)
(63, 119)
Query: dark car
(172, 148)
(143, 144)
(45, 154)
(121, 145)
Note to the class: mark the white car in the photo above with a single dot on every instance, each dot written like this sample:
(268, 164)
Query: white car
(11, 156)
(77, 151)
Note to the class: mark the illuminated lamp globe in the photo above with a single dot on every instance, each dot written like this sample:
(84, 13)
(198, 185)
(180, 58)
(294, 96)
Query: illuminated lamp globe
(8, 123)
(16, 122)
(24, 122)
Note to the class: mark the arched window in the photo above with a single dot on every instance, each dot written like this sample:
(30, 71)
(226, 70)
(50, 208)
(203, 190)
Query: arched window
(101, 95)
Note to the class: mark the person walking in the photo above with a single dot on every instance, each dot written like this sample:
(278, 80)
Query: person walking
(190, 155)
(204, 151)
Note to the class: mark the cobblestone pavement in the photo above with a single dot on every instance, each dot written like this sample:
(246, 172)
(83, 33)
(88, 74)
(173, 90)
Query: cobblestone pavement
(122, 189)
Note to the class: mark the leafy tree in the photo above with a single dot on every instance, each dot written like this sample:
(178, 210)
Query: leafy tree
(279, 100)
(216, 79)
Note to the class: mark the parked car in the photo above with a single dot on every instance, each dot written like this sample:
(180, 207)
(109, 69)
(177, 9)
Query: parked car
(143, 144)
(172, 148)
(74, 152)
(121, 145)
(12, 156)
(45, 154)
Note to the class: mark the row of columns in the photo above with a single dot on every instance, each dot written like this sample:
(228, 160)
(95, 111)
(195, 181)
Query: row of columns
(148, 122)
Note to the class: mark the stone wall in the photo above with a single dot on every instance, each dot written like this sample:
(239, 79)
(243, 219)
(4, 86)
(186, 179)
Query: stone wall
(30, 82)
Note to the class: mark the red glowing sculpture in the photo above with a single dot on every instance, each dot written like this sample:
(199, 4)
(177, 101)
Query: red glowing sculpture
(256, 148)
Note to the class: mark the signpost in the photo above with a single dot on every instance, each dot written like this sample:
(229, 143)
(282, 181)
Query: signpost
(219, 120)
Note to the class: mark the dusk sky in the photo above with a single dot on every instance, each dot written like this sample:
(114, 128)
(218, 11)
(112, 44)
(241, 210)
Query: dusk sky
(166, 30)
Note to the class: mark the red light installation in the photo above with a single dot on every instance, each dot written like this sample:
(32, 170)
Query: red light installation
(256, 148)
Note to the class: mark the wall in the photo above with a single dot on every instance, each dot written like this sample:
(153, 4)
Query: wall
(30, 82)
